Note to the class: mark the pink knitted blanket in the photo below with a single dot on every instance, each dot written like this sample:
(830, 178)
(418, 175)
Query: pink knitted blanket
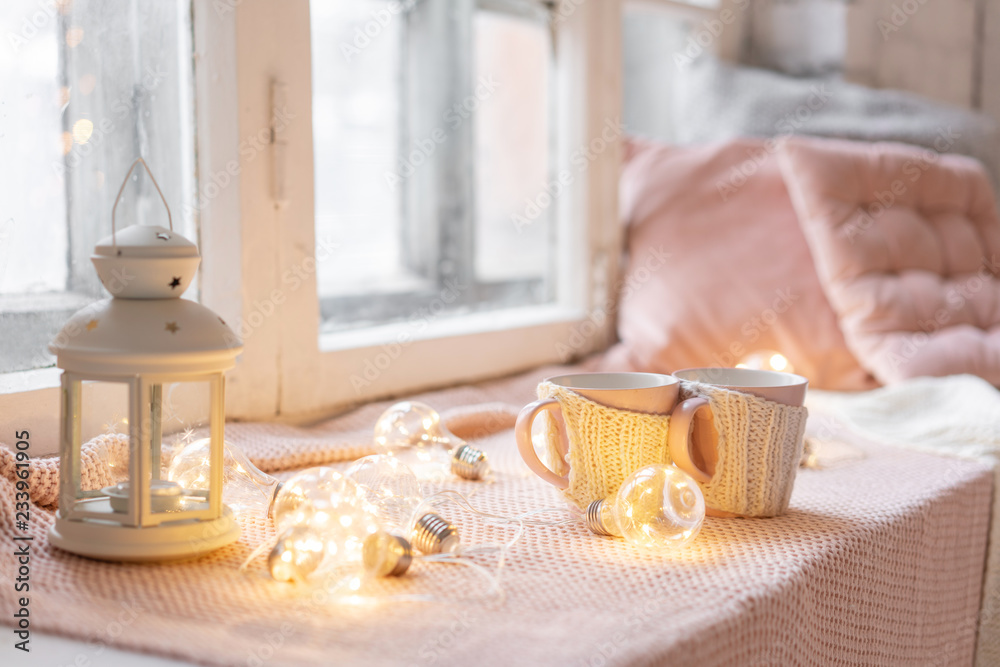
(878, 561)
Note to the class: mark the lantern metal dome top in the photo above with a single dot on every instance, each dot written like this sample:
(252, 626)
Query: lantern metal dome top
(145, 327)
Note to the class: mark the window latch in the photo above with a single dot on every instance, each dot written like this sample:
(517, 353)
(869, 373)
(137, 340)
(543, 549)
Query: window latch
(279, 144)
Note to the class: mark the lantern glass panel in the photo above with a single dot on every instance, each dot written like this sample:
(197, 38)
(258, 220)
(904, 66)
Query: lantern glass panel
(185, 414)
(93, 409)
(156, 417)
(175, 413)
(104, 410)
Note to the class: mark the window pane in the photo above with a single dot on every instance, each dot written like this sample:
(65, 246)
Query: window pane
(356, 107)
(90, 86)
(33, 234)
(515, 205)
(431, 140)
(653, 37)
(128, 71)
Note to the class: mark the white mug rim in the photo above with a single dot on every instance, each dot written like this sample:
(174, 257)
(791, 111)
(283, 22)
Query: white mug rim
(752, 377)
(613, 381)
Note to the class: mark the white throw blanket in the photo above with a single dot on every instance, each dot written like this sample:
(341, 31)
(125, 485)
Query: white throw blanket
(957, 415)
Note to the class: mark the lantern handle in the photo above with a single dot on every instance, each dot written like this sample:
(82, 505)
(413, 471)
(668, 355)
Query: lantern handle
(114, 208)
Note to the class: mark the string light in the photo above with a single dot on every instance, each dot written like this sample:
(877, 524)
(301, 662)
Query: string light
(413, 432)
(386, 555)
(323, 520)
(296, 554)
(245, 488)
(657, 507)
(766, 360)
(392, 488)
(354, 527)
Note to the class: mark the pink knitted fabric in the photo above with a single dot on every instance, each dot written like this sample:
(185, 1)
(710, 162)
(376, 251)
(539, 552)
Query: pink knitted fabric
(103, 461)
(876, 562)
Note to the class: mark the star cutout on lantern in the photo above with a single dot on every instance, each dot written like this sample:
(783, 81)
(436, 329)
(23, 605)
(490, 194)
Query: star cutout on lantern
(175, 282)
(91, 325)
(163, 236)
(186, 437)
(172, 327)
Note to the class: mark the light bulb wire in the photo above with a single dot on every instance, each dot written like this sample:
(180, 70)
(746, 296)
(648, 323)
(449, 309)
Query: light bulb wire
(262, 548)
(460, 499)
(346, 588)
(495, 590)
(501, 549)
(344, 593)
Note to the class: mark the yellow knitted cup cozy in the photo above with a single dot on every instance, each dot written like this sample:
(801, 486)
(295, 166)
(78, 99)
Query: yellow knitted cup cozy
(606, 445)
(760, 445)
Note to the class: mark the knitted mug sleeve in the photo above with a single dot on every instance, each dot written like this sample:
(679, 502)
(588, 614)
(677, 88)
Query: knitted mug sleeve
(606, 444)
(759, 448)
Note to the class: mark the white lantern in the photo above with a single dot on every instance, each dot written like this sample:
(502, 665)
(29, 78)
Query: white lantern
(146, 337)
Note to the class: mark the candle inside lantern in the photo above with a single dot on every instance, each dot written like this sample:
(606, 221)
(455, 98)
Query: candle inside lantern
(164, 496)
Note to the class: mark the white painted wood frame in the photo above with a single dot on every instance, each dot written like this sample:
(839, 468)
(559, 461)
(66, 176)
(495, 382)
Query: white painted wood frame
(256, 224)
(255, 243)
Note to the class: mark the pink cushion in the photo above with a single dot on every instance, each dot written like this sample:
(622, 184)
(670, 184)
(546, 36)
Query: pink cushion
(907, 245)
(718, 267)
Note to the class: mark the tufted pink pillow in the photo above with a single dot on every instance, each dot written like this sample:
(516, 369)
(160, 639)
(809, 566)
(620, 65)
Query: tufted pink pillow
(907, 245)
(718, 267)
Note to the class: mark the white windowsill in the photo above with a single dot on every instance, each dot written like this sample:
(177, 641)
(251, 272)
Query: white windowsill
(22, 381)
(449, 327)
(50, 649)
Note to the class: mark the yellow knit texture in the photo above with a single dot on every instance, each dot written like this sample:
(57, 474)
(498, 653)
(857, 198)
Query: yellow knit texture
(606, 444)
(760, 445)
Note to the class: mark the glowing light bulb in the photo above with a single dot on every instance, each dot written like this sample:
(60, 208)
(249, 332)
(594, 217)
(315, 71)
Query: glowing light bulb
(766, 360)
(323, 522)
(413, 432)
(386, 555)
(245, 488)
(392, 488)
(657, 507)
(297, 553)
(301, 550)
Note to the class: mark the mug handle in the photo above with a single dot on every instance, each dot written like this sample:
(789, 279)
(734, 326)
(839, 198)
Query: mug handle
(694, 456)
(522, 433)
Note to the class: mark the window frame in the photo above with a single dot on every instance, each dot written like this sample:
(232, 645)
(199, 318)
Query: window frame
(31, 317)
(30, 399)
(258, 242)
(317, 378)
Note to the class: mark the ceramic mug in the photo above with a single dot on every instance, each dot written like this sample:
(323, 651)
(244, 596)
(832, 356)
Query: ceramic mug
(649, 393)
(693, 439)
